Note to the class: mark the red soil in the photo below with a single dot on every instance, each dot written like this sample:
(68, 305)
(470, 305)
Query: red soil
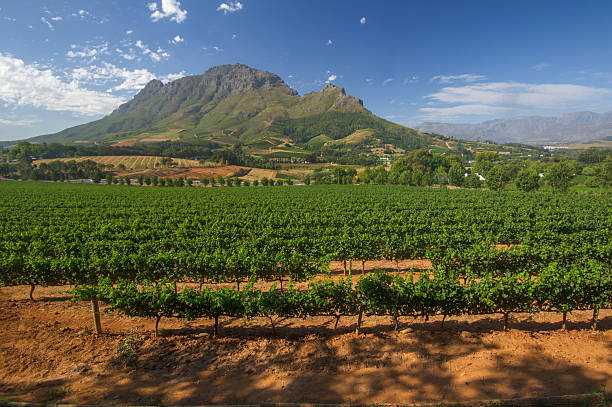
(46, 346)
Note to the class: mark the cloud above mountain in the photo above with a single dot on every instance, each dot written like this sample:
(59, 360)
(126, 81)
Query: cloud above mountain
(486, 98)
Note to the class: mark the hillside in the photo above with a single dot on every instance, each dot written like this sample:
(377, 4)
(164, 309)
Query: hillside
(568, 128)
(232, 104)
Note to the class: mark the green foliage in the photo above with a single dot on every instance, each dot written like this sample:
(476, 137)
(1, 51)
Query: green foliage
(455, 174)
(54, 234)
(338, 125)
(495, 178)
(604, 174)
(559, 176)
(527, 179)
(375, 294)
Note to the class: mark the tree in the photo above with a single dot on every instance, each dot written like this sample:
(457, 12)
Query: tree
(455, 174)
(140, 180)
(604, 174)
(559, 176)
(405, 178)
(527, 179)
(221, 180)
(169, 182)
(109, 179)
(230, 182)
(485, 161)
(155, 180)
(307, 180)
(472, 181)
(495, 178)
(127, 180)
(148, 181)
(204, 181)
(256, 183)
(189, 182)
(440, 176)
(264, 181)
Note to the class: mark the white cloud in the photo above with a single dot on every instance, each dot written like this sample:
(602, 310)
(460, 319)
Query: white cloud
(450, 113)
(18, 122)
(10, 19)
(129, 80)
(177, 39)
(56, 18)
(388, 81)
(81, 14)
(495, 97)
(230, 7)
(331, 78)
(88, 52)
(522, 94)
(466, 77)
(542, 66)
(169, 9)
(45, 21)
(155, 56)
(129, 54)
(412, 79)
(234, 36)
(218, 49)
(362, 20)
(129, 32)
(29, 85)
(329, 42)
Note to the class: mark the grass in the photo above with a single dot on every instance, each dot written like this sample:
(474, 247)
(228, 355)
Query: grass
(55, 395)
(126, 353)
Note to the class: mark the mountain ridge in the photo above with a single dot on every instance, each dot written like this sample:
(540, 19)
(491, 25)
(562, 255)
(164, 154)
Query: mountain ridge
(567, 128)
(226, 99)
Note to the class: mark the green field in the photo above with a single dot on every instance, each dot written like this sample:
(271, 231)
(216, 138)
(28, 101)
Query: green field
(557, 254)
(134, 162)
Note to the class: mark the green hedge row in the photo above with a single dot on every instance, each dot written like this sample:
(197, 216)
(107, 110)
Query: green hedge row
(558, 289)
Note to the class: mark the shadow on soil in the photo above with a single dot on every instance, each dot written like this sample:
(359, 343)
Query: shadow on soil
(315, 364)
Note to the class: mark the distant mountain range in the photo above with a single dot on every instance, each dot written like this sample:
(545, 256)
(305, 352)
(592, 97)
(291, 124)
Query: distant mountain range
(232, 104)
(568, 128)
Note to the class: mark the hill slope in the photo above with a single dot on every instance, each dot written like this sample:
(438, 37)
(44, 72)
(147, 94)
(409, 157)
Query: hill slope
(571, 127)
(233, 104)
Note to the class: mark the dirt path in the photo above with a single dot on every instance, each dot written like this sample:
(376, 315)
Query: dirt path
(45, 348)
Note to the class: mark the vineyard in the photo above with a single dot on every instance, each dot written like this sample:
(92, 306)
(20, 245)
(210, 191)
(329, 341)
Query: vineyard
(492, 252)
(130, 162)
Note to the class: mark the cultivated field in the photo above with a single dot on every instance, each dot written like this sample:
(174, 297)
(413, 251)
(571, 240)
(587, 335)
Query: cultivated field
(130, 162)
(239, 295)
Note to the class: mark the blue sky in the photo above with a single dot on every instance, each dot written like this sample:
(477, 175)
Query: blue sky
(67, 62)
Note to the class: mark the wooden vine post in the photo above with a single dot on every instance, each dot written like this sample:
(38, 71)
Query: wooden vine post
(595, 317)
(564, 324)
(95, 310)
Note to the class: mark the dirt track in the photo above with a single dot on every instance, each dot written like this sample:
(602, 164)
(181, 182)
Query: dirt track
(45, 347)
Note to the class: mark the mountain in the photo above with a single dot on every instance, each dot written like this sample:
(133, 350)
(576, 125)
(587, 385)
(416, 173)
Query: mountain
(231, 104)
(568, 128)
